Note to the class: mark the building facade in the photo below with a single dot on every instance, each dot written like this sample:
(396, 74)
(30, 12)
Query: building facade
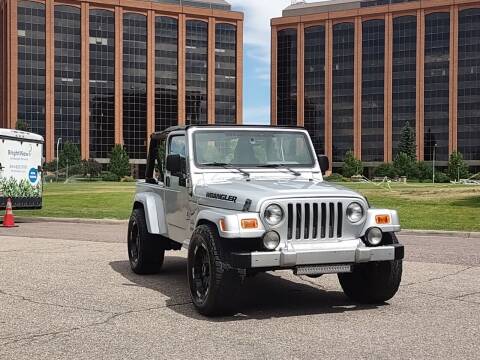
(355, 72)
(102, 72)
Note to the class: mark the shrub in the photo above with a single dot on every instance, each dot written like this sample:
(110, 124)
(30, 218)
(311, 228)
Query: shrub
(425, 171)
(457, 167)
(386, 170)
(109, 176)
(405, 166)
(127, 179)
(441, 177)
(351, 166)
(119, 162)
(91, 168)
(22, 125)
(334, 177)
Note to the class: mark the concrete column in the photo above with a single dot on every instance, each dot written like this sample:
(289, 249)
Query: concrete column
(85, 81)
(300, 74)
(239, 69)
(357, 117)
(49, 82)
(273, 88)
(329, 89)
(181, 69)
(388, 79)
(453, 118)
(118, 75)
(211, 71)
(150, 74)
(420, 130)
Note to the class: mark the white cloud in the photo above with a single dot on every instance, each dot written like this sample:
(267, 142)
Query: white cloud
(257, 24)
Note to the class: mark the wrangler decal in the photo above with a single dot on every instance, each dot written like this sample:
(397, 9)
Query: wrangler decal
(223, 197)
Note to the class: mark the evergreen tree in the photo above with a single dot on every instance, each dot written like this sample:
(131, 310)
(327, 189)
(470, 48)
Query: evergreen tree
(69, 156)
(351, 166)
(457, 167)
(119, 162)
(22, 125)
(405, 166)
(407, 142)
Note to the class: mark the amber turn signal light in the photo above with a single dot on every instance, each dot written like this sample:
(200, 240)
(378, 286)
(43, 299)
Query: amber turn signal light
(249, 223)
(222, 224)
(382, 219)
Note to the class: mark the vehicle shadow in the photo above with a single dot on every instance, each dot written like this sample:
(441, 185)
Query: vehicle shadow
(262, 297)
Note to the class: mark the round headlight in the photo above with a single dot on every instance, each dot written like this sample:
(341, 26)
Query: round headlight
(271, 240)
(354, 212)
(374, 236)
(273, 214)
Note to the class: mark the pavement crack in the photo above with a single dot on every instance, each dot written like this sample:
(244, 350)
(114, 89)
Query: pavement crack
(440, 277)
(105, 321)
(24, 298)
(457, 298)
(465, 295)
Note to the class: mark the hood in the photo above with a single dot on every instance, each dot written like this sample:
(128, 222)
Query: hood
(233, 194)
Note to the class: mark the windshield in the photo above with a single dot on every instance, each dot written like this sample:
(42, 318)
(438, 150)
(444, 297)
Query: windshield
(247, 148)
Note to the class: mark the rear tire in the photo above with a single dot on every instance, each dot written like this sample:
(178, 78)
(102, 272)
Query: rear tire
(374, 282)
(213, 285)
(145, 252)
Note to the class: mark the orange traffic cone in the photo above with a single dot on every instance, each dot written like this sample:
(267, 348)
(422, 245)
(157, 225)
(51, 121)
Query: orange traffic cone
(9, 219)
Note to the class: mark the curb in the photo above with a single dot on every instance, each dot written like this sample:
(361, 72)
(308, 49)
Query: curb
(459, 234)
(30, 220)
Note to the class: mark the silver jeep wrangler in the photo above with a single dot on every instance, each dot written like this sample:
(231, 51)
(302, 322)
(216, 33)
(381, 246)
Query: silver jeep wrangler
(249, 199)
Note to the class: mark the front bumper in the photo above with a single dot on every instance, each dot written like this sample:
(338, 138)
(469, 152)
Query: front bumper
(347, 252)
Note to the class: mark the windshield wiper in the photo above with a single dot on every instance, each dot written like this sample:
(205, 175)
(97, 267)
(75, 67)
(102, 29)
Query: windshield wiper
(228, 167)
(280, 166)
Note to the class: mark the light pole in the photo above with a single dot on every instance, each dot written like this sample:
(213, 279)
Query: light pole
(58, 145)
(434, 155)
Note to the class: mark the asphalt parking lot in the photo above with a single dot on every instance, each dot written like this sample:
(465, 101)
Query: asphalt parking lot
(66, 291)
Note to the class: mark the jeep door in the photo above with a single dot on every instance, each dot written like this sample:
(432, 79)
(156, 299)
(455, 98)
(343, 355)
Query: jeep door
(176, 196)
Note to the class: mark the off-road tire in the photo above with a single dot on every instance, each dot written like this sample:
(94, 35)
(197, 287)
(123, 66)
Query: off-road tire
(224, 282)
(150, 254)
(373, 282)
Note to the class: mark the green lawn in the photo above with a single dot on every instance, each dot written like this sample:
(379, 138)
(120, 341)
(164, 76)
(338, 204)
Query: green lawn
(95, 200)
(421, 206)
(427, 206)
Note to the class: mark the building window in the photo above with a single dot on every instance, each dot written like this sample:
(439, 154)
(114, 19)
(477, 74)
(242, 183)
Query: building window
(287, 77)
(225, 74)
(67, 74)
(373, 89)
(343, 89)
(196, 72)
(135, 84)
(102, 83)
(437, 65)
(31, 65)
(404, 76)
(314, 118)
(469, 84)
(166, 72)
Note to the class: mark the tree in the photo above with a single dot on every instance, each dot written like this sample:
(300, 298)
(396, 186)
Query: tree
(69, 156)
(119, 162)
(457, 167)
(386, 170)
(22, 125)
(351, 166)
(405, 166)
(407, 142)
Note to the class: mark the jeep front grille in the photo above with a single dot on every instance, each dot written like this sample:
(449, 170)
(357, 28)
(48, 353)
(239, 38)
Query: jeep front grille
(314, 220)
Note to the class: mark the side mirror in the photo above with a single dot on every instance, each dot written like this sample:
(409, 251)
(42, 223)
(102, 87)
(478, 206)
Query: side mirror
(176, 165)
(324, 163)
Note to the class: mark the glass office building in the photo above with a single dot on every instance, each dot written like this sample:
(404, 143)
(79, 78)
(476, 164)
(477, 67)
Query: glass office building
(355, 72)
(101, 73)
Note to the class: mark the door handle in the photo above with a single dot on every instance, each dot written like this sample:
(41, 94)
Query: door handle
(167, 181)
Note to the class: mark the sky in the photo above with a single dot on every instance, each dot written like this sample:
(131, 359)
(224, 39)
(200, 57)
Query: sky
(256, 93)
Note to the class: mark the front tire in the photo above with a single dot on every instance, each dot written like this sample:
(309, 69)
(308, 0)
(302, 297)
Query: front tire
(145, 253)
(213, 285)
(374, 282)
